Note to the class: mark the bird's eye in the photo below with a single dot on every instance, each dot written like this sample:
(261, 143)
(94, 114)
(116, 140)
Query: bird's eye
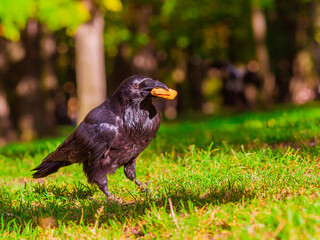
(135, 85)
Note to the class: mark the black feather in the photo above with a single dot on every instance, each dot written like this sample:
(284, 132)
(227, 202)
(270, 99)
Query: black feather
(111, 135)
(47, 168)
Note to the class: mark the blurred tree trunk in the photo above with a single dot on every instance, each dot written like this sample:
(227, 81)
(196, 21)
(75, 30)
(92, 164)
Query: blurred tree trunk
(259, 27)
(7, 132)
(313, 30)
(121, 70)
(283, 22)
(30, 107)
(195, 77)
(145, 62)
(90, 62)
(49, 80)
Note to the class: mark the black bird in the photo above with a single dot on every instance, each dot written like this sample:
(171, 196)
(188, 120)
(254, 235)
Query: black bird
(111, 135)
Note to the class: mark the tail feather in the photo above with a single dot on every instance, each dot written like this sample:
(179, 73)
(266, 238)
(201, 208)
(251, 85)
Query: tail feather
(55, 160)
(47, 168)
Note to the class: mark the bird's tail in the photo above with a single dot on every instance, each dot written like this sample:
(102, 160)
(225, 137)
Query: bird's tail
(48, 167)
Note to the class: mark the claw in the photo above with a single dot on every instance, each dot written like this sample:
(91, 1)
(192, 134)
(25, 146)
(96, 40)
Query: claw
(145, 188)
(142, 187)
(113, 198)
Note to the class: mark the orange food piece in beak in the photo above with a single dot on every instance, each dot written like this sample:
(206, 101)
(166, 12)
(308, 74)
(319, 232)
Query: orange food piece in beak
(163, 93)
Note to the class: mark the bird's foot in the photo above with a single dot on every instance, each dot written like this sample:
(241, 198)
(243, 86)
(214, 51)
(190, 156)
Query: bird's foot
(116, 200)
(91, 198)
(144, 187)
(112, 198)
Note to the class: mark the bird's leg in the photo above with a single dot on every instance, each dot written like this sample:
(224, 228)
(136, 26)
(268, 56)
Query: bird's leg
(136, 181)
(103, 185)
(130, 172)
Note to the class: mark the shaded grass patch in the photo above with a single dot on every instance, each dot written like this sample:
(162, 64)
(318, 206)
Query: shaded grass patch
(230, 177)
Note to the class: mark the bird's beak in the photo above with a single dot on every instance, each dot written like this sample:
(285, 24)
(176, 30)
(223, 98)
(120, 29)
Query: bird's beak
(155, 84)
(162, 91)
(158, 89)
(161, 85)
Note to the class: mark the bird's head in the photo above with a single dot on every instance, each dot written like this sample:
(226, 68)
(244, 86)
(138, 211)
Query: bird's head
(137, 88)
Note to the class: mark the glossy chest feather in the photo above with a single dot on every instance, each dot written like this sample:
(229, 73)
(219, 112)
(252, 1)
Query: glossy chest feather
(140, 125)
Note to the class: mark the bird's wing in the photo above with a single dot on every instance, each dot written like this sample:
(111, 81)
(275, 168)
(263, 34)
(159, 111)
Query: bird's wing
(90, 141)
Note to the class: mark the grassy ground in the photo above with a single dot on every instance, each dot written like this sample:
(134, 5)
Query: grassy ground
(249, 176)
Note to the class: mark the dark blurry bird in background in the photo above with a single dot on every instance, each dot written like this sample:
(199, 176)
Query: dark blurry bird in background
(111, 135)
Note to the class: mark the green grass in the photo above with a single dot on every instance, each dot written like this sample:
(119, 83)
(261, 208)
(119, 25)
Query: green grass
(248, 176)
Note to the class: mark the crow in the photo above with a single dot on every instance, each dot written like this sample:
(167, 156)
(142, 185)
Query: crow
(112, 135)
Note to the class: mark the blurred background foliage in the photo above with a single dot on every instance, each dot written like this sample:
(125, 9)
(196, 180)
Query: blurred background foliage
(58, 58)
